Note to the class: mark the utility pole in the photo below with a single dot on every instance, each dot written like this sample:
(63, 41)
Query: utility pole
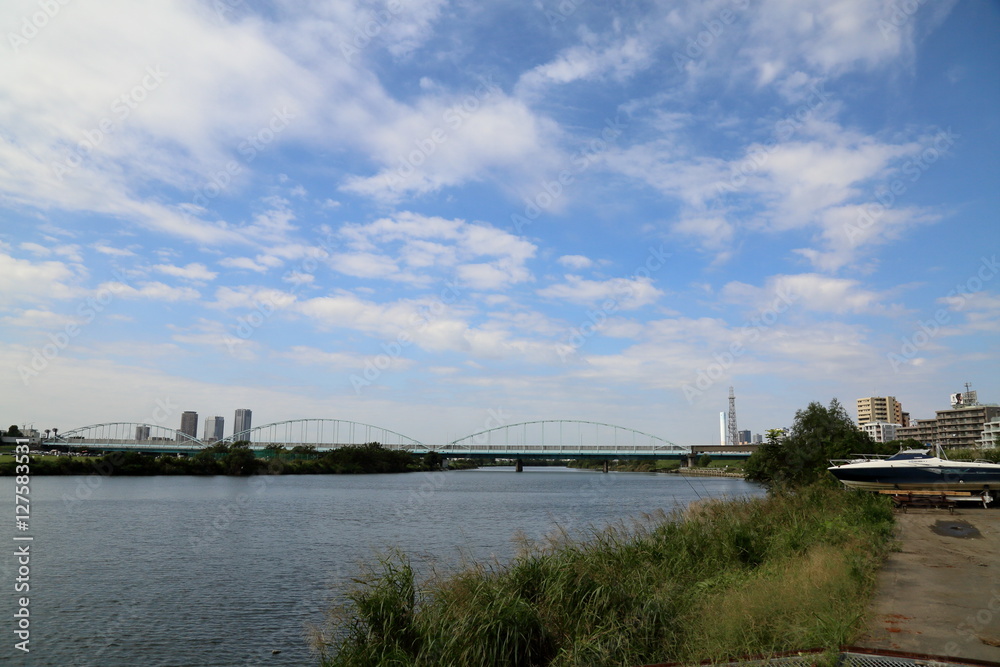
(733, 435)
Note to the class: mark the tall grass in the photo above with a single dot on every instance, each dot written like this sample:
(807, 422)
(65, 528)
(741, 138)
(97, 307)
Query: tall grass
(722, 579)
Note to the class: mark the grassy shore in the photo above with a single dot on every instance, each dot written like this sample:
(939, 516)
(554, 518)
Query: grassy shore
(627, 465)
(725, 578)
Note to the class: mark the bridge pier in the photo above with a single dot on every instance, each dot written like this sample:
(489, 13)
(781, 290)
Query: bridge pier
(605, 465)
(518, 466)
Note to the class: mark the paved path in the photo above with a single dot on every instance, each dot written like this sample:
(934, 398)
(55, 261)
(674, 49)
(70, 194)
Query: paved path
(940, 595)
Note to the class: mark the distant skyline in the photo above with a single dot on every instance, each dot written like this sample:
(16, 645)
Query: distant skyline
(436, 217)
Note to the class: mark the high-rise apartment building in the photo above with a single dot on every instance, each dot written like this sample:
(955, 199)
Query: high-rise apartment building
(214, 429)
(963, 427)
(242, 421)
(141, 433)
(960, 427)
(189, 424)
(879, 409)
(923, 431)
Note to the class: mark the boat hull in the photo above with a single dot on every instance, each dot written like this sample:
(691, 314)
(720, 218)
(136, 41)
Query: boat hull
(936, 478)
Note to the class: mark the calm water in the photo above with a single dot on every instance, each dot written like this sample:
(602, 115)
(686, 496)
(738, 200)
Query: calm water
(221, 571)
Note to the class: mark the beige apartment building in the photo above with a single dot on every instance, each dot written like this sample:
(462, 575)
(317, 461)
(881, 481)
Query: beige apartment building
(879, 409)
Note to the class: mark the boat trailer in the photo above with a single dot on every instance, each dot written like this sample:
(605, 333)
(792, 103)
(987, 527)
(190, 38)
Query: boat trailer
(943, 499)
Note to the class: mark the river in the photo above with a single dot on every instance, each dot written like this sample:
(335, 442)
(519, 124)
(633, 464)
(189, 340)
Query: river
(222, 571)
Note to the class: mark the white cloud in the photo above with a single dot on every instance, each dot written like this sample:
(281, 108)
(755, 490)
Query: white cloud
(981, 310)
(367, 265)
(261, 299)
(623, 293)
(68, 251)
(22, 280)
(155, 291)
(410, 247)
(216, 335)
(244, 263)
(810, 291)
(340, 361)
(576, 262)
(106, 249)
(850, 230)
(452, 140)
(194, 272)
(620, 59)
(34, 318)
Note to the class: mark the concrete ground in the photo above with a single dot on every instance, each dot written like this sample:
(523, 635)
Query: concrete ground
(940, 594)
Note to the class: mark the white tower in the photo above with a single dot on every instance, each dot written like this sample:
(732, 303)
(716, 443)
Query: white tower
(722, 429)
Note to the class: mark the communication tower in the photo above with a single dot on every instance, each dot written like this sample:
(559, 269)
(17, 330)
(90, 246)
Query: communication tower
(733, 436)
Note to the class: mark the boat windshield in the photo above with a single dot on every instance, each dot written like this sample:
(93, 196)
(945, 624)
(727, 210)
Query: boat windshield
(910, 454)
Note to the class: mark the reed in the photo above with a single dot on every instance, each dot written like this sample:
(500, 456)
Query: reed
(721, 579)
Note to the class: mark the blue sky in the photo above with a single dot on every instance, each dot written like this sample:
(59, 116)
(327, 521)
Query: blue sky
(426, 214)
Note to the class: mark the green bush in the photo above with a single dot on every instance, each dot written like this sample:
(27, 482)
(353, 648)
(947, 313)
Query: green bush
(790, 571)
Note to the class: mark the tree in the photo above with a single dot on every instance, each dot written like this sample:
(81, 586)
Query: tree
(704, 460)
(14, 432)
(304, 451)
(433, 460)
(275, 450)
(240, 460)
(802, 457)
(765, 464)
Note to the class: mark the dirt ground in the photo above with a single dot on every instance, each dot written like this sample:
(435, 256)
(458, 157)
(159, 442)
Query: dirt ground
(940, 594)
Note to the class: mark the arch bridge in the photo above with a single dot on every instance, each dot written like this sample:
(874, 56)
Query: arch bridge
(554, 439)
(562, 438)
(118, 436)
(323, 434)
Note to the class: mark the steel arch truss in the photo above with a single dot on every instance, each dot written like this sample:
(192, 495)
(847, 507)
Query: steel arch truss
(323, 434)
(563, 437)
(126, 434)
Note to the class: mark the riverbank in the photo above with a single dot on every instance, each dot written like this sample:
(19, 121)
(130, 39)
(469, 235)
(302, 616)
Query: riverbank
(708, 472)
(772, 574)
(232, 460)
(626, 465)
